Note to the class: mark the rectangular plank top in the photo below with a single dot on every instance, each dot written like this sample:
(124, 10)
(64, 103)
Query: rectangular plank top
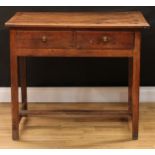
(132, 19)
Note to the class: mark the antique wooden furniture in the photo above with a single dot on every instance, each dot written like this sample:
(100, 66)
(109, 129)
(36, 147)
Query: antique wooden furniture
(75, 34)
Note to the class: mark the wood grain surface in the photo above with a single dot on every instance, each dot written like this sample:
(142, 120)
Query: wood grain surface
(44, 39)
(27, 39)
(78, 132)
(78, 19)
(104, 40)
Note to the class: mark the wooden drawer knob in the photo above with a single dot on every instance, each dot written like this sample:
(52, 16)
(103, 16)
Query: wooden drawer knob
(105, 39)
(44, 39)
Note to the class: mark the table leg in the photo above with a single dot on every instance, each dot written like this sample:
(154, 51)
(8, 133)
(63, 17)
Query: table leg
(130, 67)
(135, 76)
(14, 87)
(14, 94)
(22, 64)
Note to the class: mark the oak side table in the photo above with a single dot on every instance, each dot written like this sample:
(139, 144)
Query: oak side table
(75, 34)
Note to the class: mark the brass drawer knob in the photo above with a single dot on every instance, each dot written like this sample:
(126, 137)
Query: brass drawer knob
(105, 39)
(44, 39)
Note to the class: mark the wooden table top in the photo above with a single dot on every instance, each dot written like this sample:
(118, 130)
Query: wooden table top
(78, 20)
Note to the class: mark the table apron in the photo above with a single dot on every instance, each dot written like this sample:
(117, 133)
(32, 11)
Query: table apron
(72, 53)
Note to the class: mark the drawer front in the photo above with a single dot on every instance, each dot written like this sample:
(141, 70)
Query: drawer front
(44, 39)
(104, 40)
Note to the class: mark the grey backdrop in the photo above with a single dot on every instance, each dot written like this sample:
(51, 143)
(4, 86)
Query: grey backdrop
(80, 71)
